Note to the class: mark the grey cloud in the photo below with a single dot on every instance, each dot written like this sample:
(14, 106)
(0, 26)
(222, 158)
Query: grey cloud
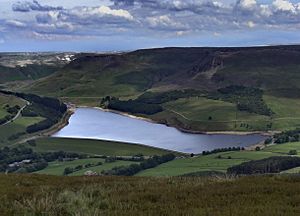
(27, 6)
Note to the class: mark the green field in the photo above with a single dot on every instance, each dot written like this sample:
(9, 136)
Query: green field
(18, 126)
(292, 171)
(103, 167)
(57, 167)
(9, 100)
(213, 163)
(93, 147)
(284, 148)
(204, 163)
(196, 111)
(287, 113)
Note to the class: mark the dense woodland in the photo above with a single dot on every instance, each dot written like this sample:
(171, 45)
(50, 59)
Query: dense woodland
(287, 136)
(131, 106)
(223, 150)
(246, 98)
(22, 159)
(268, 165)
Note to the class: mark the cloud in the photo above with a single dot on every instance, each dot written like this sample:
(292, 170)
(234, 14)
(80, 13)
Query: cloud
(285, 6)
(157, 17)
(15, 23)
(83, 21)
(247, 4)
(99, 12)
(49, 17)
(250, 24)
(165, 22)
(27, 6)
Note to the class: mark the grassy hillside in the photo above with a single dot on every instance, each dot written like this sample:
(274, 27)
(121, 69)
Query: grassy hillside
(218, 162)
(269, 68)
(275, 71)
(30, 66)
(30, 72)
(49, 195)
(57, 167)
(214, 162)
(93, 147)
(10, 101)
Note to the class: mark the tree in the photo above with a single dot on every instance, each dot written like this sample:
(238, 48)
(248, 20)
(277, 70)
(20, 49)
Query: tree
(68, 170)
(293, 152)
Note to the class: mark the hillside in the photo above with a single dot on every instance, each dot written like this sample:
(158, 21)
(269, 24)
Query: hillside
(240, 89)
(40, 195)
(20, 67)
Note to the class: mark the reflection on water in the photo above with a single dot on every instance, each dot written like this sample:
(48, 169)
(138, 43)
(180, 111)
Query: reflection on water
(97, 124)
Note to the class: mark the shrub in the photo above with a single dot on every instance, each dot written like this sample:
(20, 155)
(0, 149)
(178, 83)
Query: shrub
(293, 152)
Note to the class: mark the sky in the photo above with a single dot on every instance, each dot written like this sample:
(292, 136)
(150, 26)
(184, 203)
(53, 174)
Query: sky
(123, 25)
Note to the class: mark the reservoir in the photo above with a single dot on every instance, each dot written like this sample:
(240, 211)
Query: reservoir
(91, 123)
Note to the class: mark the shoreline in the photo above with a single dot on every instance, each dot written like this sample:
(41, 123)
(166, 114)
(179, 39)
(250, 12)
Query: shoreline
(126, 143)
(72, 108)
(50, 131)
(241, 133)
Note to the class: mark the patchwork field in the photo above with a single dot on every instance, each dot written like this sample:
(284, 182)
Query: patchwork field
(217, 162)
(213, 162)
(213, 115)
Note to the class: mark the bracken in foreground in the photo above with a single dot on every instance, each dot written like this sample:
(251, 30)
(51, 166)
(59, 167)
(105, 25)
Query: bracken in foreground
(50, 195)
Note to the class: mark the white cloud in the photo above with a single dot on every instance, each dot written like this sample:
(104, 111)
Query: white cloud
(165, 22)
(102, 11)
(284, 5)
(16, 23)
(265, 10)
(250, 24)
(217, 34)
(247, 4)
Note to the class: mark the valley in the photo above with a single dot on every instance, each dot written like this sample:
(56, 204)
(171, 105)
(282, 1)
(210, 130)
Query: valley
(227, 91)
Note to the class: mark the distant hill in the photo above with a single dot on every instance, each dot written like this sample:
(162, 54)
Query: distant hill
(30, 66)
(273, 70)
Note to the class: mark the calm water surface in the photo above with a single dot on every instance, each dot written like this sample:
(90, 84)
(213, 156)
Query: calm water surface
(97, 124)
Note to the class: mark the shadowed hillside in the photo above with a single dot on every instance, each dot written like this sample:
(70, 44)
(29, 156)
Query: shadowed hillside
(274, 69)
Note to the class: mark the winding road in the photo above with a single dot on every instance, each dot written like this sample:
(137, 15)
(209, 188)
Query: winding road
(17, 115)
